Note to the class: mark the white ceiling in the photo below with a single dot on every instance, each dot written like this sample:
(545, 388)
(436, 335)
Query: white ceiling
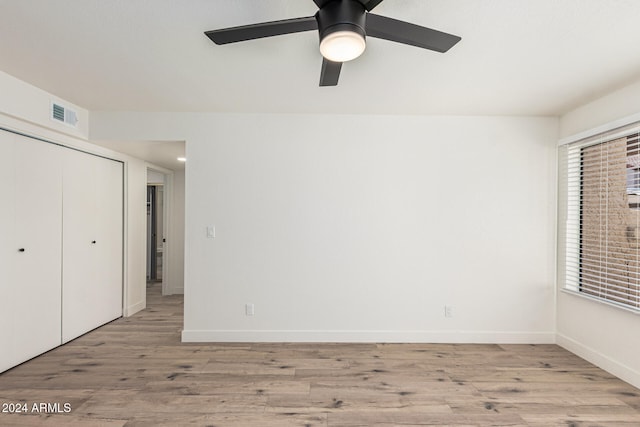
(516, 57)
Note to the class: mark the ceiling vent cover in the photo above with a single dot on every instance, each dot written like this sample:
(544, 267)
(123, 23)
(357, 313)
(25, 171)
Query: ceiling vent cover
(63, 114)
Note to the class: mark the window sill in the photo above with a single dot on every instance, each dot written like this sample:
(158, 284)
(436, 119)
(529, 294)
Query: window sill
(601, 301)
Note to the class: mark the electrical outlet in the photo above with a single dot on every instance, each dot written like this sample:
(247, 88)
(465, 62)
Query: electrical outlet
(249, 309)
(448, 311)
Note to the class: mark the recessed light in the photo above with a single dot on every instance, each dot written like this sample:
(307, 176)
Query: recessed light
(182, 159)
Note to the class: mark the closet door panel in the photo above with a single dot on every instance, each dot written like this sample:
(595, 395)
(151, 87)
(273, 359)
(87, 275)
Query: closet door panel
(8, 252)
(108, 245)
(30, 248)
(37, 295)
(92, 243)
(78, 273)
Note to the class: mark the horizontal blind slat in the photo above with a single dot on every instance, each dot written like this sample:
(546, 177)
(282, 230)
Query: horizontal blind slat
(600, 228)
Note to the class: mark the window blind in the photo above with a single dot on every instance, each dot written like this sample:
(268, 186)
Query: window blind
(600, 218)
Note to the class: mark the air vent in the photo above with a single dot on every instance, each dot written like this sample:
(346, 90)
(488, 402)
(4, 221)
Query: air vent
(62, 114)
(58, 112)
(70, 117)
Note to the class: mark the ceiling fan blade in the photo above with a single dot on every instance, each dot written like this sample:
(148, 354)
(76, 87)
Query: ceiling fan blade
(330, 72)
(264, 29)
(403, 32)
(370, 4)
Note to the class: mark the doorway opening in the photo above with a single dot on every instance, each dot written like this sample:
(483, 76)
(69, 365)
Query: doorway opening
(155, 235)
(157, 226)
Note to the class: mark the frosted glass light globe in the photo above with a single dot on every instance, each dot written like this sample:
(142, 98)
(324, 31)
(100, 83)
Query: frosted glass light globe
(342, 46)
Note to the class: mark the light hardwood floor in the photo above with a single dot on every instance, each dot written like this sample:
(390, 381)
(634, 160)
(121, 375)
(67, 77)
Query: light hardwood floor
(135, 372)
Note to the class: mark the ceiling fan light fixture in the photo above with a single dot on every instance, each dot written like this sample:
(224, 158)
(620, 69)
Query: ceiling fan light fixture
(342, 46)
(343, 27)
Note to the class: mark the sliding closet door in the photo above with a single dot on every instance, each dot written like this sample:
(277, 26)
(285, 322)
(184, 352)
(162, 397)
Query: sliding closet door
(30, 248)
(108, 247)
(8, 250)
(92, 243)
(36, 298)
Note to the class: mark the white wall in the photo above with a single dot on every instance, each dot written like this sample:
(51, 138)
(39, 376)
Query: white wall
(136, 236)
(176, 235)
(27, 103)
(362, 228)
(155, 177)
(610, 108)
(604, 335)
(25, 108)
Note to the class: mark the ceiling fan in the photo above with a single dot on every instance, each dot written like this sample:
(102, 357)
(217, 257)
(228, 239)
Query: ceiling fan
(343, 26)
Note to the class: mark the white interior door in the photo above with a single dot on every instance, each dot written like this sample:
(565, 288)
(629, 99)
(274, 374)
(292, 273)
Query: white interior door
(37, 295)
(31, 257)
(92, 243)
(109, 232)
(8, 250)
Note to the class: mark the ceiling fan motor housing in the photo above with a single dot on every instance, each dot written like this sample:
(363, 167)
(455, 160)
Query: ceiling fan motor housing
(341, 15)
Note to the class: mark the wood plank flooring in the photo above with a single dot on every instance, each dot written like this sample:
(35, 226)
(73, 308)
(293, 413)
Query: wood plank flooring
(135, 372)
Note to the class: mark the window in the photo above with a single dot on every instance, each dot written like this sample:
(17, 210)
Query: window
(600, 218)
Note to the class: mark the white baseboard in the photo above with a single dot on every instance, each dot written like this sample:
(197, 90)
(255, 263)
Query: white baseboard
(603, 361)
(174, 291)
(133, 309)
(458, 337)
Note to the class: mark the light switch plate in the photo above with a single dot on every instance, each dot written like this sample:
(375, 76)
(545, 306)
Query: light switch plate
(249, 309)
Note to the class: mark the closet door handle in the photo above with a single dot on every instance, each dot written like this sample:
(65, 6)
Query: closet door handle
(21, 250)
(93, 242)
